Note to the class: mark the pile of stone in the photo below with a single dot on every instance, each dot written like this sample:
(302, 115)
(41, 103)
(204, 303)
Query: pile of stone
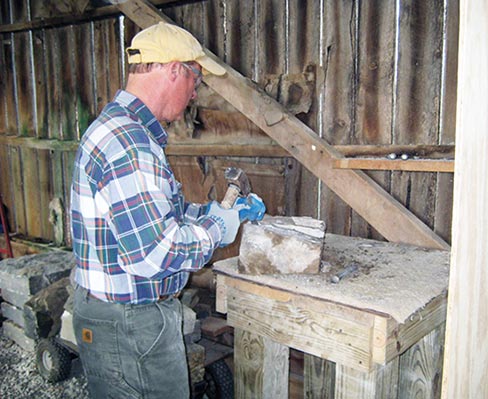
(29, 314)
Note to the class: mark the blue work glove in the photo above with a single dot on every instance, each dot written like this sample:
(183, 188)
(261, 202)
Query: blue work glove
(226, 218)
(250, 208)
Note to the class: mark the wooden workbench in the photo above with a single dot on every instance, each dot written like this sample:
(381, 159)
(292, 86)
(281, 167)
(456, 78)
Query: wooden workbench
(361, 337)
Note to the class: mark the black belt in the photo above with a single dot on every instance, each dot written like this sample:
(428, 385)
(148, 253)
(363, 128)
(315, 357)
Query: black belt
(169, 296)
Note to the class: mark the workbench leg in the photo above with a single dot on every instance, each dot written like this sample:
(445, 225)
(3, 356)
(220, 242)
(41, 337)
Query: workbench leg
(261, 367)
(421, 367)
(381, 383)
(318, 378)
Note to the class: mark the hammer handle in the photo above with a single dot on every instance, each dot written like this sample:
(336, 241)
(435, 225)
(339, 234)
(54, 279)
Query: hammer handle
(230, 196)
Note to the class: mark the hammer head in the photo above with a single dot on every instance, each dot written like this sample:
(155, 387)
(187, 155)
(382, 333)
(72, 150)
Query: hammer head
(238, 177)
(238, 185)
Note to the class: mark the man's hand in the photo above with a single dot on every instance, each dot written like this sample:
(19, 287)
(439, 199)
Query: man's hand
(250, 208)
(228, 220)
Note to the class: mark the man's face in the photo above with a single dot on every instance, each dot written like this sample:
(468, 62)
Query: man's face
(189, 76)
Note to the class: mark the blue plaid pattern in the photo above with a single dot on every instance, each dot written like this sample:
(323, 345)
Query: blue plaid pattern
(134, 236)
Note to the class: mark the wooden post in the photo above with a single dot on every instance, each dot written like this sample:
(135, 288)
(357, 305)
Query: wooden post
(466, 355)
(380, 383)
(261, 367)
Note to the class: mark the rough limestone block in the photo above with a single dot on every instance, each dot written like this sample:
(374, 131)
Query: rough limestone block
(282, 245)
(29, 274)
(16, 334)
(42, 313)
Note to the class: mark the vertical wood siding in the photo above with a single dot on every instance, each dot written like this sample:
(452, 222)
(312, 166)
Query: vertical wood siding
(384, 74)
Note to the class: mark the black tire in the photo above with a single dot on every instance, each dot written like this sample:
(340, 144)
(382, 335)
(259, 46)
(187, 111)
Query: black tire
(53, 360)
(220, 381)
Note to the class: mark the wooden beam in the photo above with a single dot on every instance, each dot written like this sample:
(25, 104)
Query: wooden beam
(363, 194)
(203, 148)
(64, 19)
(466, 353)
(414, 165)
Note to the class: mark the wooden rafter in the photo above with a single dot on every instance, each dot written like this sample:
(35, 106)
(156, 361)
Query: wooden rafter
(389, 217)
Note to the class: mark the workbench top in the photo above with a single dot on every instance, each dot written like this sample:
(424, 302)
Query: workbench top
(393, 280)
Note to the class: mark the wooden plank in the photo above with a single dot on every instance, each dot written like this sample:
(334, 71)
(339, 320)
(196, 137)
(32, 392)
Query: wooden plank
(270, 39)
(261, 367)
(41, 84)
(8, 82)
(466, 358)
(26, 98)
(68, 165)
(275, 370)
(46, 193)
(379, 383)
(214, 26)
(445, 183)
(324, 335)
(4, 89)
(415, 165)
(6, 185)
(68, 88)
(375, 58)
(32, 193)
(421, 367)
(83, 62)
(354, 187)
(248, 364)
(54, 83)
(241, 38)
(18, 199)
(318, 378)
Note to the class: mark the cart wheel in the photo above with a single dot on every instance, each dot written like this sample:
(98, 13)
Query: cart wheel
(53, 361)
(220, 381)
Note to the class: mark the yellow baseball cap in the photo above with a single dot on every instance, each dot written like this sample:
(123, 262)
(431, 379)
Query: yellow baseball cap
(165, 43)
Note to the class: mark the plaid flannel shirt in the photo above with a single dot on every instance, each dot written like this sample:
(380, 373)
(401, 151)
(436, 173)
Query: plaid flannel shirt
(134, 236)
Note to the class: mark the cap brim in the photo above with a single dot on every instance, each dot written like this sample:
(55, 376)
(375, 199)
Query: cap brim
(209, 66)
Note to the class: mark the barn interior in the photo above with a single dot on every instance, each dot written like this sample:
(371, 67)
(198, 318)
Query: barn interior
(346, 117)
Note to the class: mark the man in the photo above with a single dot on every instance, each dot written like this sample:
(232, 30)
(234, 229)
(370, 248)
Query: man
(134, 237)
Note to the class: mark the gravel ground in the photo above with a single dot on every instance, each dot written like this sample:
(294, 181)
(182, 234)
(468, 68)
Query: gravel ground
(19, 378)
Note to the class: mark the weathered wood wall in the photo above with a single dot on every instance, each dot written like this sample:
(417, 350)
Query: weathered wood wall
(380, 73)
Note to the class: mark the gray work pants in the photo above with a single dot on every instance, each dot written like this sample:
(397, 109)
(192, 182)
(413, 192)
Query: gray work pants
(131, 351)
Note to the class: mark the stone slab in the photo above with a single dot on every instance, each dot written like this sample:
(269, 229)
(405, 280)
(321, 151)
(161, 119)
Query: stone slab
(282, 245)
(29, 274)
(13, 313)
(15, 298)
(16, 334)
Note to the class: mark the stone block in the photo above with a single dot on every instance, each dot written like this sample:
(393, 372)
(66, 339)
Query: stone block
(16, 334)
(29, 274)
(281, 245)
(15, 298)
(42, 313)
(13, 313)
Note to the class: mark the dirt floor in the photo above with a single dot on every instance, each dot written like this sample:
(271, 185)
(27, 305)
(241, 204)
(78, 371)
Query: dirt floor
(19, 378)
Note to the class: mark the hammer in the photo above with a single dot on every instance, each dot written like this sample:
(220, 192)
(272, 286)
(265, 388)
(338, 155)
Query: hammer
(238, 185)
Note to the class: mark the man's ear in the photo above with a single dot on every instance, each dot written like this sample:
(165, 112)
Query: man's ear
(173, 70)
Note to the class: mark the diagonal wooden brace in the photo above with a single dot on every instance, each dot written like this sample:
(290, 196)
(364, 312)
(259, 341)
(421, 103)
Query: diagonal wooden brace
(389, 217)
